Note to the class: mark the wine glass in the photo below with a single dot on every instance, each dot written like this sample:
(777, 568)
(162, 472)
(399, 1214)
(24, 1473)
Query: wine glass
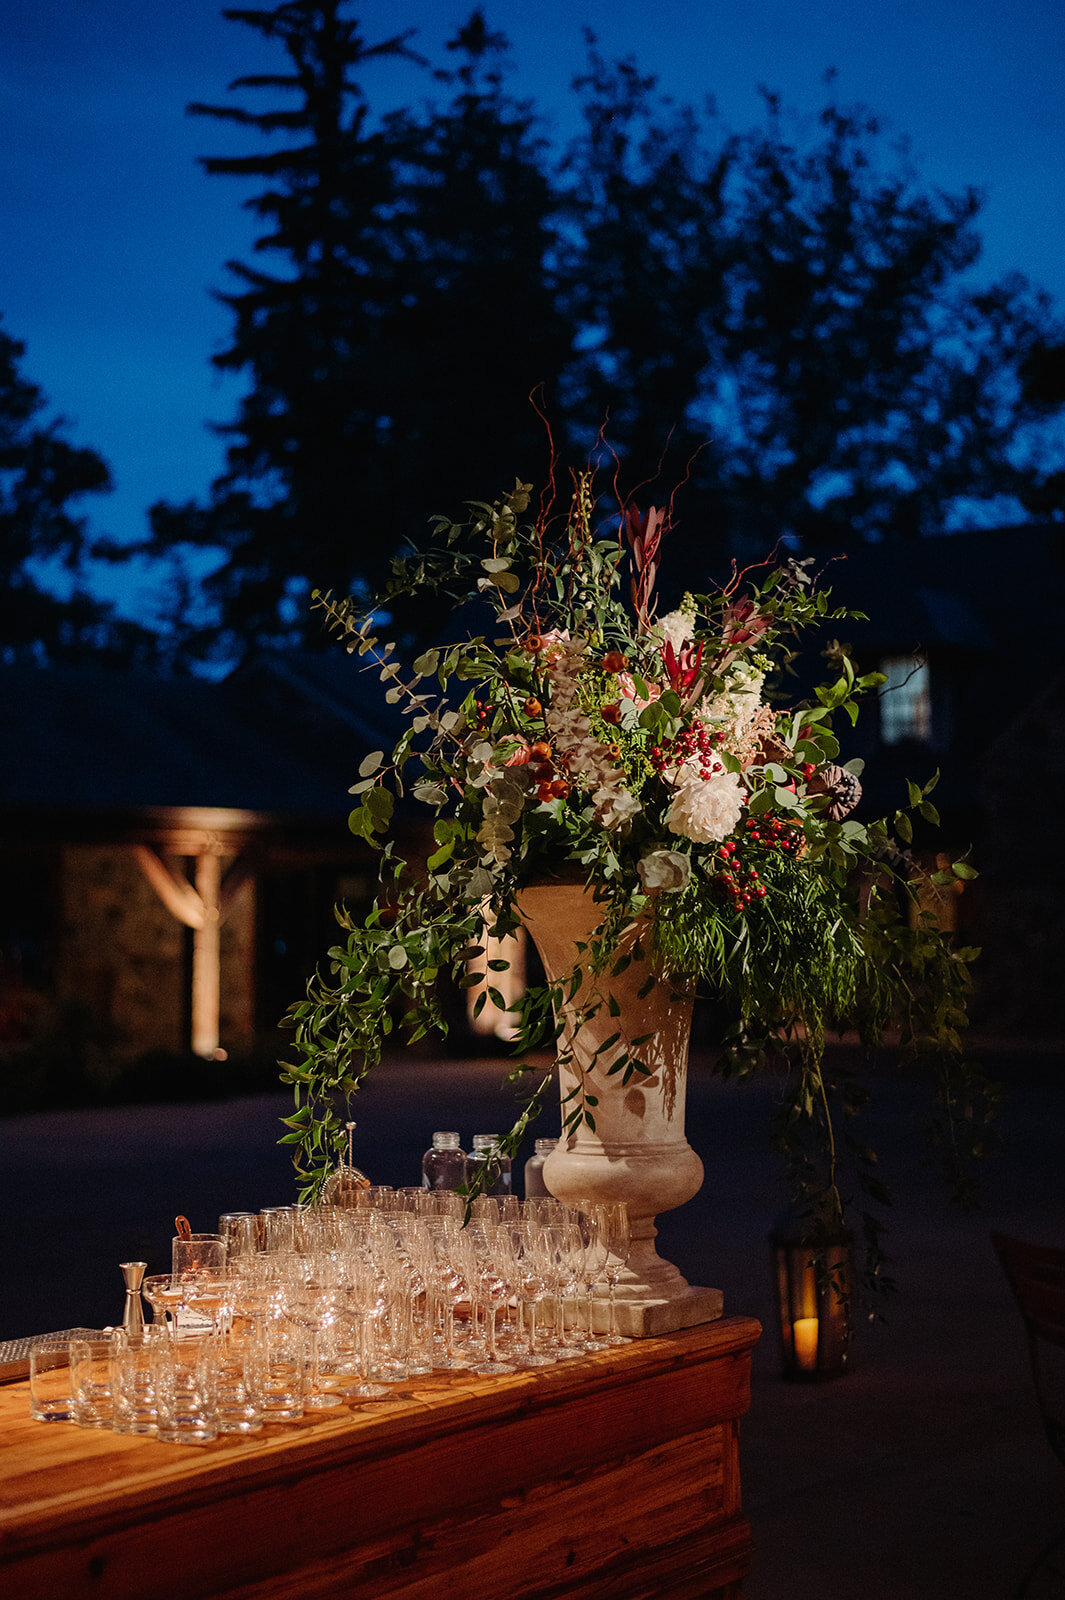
(493, 1280)
(564, 1243)
(308, 1298)
(613, 1220)
(593, 1259)
(360, 1299)
(163, 1296)
(533, 1272)
(452, 1271)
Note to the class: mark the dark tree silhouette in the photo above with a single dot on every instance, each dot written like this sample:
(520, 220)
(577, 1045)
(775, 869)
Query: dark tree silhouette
(288, 512)
(800, 305)
(784, 322)
(643, 274)
(391, 366)
(1043, 380)
(475, 329)
(42, 478)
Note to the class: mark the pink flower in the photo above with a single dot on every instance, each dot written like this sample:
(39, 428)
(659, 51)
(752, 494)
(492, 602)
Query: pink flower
(627, 686)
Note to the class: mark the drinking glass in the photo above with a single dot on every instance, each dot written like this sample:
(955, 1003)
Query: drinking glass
(593, 1260)
(185, 1378)
(494, 1277)
(240, 1234)
(531, 1285)
(277, 1228)
(359, 1299)
(308, 1298)
(51, 1397)
(164, 1298)
(563, 1242)
(283, 1354)
(412, 1245)
(451, 1271)
(241, 1374)
(613, 1221)
(133, 1380)
(90, 1381)
(197, 1252)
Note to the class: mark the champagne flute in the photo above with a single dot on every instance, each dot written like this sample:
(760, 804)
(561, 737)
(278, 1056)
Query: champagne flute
(593, 1259)
(532, 1280)
(564, 1242)
(613, 1220)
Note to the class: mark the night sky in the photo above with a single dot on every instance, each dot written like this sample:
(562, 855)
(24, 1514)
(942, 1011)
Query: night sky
(113, 237)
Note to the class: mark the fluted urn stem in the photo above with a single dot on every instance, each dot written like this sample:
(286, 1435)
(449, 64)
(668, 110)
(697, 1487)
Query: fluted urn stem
(637, 1151)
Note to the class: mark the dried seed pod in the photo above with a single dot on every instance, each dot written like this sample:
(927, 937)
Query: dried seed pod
(841, 786)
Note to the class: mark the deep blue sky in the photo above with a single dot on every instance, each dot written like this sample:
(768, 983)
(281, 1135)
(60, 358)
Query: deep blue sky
(113, 238)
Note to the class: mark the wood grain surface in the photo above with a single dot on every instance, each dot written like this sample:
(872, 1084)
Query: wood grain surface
(612, 1478)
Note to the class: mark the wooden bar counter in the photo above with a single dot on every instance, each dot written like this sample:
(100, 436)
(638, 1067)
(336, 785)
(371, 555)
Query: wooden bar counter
(611, 1478)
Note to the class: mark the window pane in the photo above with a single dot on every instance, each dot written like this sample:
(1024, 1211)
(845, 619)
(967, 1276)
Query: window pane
(906, 700)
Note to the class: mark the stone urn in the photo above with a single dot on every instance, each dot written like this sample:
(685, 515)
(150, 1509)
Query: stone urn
(638, 1152)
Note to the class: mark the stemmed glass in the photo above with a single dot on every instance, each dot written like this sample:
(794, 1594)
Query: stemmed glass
(612, 1218)
(493, 1279)
(164, 1298)
(452, 1273)
(533, 1272)
(593, 1260)
(360, 1299)
(308, 1298)
(563, 1241)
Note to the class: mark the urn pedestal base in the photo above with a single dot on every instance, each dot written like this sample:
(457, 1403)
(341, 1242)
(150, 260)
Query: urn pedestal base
(646, 1319)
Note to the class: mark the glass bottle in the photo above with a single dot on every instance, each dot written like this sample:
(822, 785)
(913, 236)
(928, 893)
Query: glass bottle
(486, 1152)
(444, 1165)
(535, 1187)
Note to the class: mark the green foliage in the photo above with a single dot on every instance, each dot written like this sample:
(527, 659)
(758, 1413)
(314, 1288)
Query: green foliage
(643, 757)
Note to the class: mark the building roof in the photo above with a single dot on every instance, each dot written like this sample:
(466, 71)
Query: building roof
(282, 739)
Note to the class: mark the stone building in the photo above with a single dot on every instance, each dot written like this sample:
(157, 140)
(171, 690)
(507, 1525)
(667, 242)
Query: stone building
(171, 850)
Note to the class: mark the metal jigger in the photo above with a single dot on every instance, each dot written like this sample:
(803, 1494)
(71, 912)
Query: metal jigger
(133, 1316)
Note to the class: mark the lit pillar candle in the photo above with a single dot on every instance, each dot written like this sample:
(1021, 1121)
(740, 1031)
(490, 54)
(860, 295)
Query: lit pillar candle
(804, 1332)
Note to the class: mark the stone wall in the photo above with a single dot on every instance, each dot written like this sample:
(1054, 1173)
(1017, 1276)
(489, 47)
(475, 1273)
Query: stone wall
(122, 955)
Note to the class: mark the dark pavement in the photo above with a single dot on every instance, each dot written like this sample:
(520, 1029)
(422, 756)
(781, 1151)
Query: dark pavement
(923, 1473)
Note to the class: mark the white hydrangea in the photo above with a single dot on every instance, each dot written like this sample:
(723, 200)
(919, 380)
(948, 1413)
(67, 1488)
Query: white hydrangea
(706, 810)
(738, 704)
(676, 627)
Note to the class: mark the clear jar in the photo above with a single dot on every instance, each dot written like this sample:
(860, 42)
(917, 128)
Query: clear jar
(486, 1152)
(535, 1187)
(444, 1165)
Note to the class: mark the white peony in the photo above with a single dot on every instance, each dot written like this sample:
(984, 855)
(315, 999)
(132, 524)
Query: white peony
(706, 810)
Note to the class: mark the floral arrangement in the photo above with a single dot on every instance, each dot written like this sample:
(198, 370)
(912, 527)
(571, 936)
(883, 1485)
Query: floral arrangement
(658, 756)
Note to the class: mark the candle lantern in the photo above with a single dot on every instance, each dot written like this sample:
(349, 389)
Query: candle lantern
(813, 1277)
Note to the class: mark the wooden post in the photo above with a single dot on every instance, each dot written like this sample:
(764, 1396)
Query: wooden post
(206, 953)
(202, 907)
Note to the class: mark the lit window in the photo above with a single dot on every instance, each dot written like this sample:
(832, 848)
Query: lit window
(905, 700)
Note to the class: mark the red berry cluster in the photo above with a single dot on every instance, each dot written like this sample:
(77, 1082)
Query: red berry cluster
(739, 881)
(697, 741)
(773, 833)
(741, 885)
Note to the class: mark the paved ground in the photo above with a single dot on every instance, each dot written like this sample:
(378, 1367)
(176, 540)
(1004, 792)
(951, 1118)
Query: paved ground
(922, 1475)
